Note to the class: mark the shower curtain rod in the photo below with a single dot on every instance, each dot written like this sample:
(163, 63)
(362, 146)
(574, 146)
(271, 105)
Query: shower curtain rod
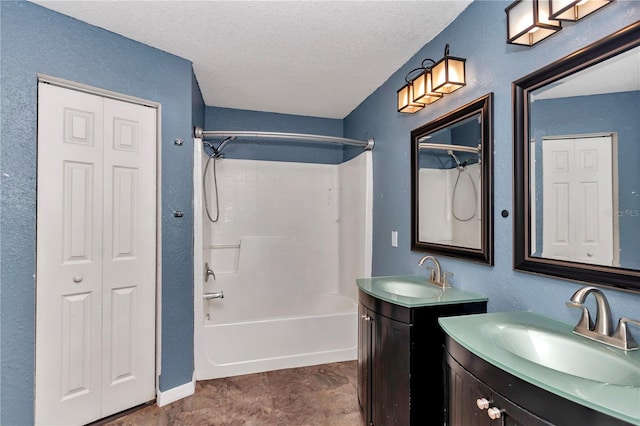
(445, 147)
(206, 134)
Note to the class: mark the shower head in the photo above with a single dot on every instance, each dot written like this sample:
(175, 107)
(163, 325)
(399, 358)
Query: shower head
(223, 144)
(214, 151)
(217, 152)
(450, 152)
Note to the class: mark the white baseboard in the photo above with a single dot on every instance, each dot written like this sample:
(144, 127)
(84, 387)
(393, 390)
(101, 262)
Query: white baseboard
(177, 393)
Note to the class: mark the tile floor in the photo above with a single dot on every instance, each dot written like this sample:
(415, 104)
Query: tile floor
(322, 395)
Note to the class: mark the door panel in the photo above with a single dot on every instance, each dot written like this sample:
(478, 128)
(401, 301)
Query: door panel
(77, 212)
(129, 255)
(391, 371)
(76, 342)
(69, 257)
(594, 177)
(123, 327)
(96, 256)
(557, 160)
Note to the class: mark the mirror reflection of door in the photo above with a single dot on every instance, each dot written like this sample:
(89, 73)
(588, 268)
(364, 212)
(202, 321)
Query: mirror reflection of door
(580, 200)
(594, 91)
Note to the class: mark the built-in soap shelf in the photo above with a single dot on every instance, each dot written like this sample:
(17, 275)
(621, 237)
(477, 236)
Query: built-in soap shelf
(224, 258)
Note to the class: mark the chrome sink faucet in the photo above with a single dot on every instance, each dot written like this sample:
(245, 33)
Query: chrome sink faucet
(601, 330)
(603, 312)
(436, 276)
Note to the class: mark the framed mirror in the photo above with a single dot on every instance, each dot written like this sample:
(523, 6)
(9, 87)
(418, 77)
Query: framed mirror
(451, 183)
(577, 165)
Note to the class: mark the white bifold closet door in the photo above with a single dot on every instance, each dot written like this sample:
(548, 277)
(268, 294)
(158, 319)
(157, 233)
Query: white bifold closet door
(578, 198)
(96, 256)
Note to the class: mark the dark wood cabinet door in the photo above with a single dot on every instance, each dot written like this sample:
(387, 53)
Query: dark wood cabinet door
(391, 372)
(464, 390)
(364, 362)
(514, 415)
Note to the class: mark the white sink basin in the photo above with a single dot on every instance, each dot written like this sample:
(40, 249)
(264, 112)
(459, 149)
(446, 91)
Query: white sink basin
(566, 353)
(408, 289)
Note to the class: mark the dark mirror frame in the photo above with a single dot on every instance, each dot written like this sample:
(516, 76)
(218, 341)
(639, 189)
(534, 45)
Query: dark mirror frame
(610, 46)
(483, 106)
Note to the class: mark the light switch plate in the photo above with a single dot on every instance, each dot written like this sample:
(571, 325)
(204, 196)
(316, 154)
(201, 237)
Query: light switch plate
(394, 238)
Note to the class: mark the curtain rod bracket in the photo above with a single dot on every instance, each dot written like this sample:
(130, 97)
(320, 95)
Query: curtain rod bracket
(370, 144)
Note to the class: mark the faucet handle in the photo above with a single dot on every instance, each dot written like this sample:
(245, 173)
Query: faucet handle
(622, 333)
(585, 322)
(445, 281)
(432, 273)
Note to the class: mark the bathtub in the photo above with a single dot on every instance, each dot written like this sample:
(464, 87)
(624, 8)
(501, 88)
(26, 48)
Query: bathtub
(303, 330)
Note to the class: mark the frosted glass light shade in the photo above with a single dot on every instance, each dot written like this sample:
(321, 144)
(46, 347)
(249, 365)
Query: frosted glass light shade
(528, 22)
(422, 91)
(405, 100)
(448, 74)
(573, 10)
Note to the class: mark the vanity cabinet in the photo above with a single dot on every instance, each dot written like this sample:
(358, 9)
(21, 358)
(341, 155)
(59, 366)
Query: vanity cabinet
(470, 380)
(400, 360)
(473, 403)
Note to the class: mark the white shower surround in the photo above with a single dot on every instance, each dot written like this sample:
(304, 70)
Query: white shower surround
(435, 203)
(291, 240)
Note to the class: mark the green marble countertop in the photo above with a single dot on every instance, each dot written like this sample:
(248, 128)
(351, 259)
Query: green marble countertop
(501, 339)
(438, 295)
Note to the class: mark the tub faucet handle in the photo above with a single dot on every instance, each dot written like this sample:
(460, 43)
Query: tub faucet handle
(208, 272)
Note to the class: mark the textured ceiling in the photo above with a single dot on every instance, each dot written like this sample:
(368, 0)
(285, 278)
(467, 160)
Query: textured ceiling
(316, 58)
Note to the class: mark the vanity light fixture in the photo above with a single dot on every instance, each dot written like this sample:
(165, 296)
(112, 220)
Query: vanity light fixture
(445, 76)
(405, 96)
(422, 86)
(448, 74)
(529, 22)
(573, 10)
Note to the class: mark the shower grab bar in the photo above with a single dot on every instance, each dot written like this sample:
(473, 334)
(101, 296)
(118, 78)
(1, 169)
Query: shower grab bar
(205, 134)
(446, 147)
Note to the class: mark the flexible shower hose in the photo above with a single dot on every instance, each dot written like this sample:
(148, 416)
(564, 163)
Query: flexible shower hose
(215, 184)
(453, 196)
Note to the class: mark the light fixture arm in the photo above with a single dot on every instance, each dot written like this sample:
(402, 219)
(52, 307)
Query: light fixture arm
(446, 50)
(423, 66)
(406, 78)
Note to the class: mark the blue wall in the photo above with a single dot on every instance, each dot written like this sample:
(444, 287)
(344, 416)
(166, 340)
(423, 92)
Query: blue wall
(36, 40)
(236, 119)
(478, 34)
(197, 103)
(584, 115)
